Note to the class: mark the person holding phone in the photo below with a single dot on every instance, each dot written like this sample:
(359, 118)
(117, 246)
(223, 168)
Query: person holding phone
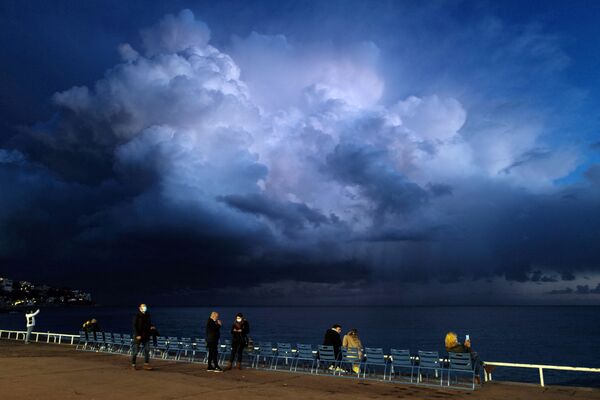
(454, 346)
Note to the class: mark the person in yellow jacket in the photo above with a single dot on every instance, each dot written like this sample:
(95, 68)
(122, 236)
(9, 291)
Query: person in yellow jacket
(352, 341)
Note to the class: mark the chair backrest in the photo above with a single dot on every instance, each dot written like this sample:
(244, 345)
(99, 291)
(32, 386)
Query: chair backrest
(326, 353)
(126, 338)
(161, 343)
(200, 344)
(304, 351)
(375, 355)
(173, 339)
(82, 337)
(284, 349)
(186, 342)
(460, 361)
(429, 359)
(401, 357)
(265, 348)
(117, 338)
(108, 338)
(350, 354)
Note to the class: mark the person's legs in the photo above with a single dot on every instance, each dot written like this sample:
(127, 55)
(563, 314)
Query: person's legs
(234, 347)
(477, 366)
(29, 330)
(147, 352)
(134, 351)
(240, 353)
(213, 355)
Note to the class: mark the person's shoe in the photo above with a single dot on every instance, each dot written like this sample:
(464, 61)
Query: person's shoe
(218, 369)
(239, 365)
(133, 367)
(228, 367)
(147, 367)
(210, 369)
(331, 367)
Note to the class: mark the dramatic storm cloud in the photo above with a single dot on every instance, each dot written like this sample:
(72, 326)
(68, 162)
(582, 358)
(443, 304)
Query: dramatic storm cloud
(275, 167)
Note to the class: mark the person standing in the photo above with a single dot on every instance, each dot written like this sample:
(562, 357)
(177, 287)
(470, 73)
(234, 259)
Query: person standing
(141, 336)
(213, 334)
(30, 319)
(239, 340)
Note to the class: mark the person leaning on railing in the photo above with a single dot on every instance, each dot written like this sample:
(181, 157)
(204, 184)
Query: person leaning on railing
(453, 346)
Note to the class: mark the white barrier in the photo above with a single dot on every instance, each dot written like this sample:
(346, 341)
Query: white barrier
(43, 337)
(540, 367)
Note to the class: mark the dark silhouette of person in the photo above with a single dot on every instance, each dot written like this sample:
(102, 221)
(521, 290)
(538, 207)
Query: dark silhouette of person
(141, 336)
(213, 334)
(239, 340)
(333, 338)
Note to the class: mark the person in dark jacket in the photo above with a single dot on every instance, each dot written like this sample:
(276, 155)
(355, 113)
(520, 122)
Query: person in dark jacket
(333, 338)
(213, 334)
(141, 336)
(239, 340)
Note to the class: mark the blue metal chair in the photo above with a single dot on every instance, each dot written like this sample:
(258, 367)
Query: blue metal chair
(200, 349)
(98, 341)
(187, 349)
(284, 353)
(326, 358)
(225, 351)
(374, 358)
(126, 343)
(266, 353)
(351, 362)
(429, 361)
(160, 350)
(108, 342)
(304, 353)
(173, 348)
(117, 343)
(83, 341)
(461, 363)
(401, 360)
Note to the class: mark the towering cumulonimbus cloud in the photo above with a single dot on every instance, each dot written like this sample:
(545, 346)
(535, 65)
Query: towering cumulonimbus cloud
(281, 158)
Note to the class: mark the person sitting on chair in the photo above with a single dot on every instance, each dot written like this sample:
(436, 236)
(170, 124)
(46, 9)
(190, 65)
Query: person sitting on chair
(453, 346)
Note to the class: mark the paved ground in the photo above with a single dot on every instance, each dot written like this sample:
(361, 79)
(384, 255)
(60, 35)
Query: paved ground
(49, 372)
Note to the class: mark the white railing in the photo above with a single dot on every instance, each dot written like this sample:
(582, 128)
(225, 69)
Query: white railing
(44, 337)
(540, 367)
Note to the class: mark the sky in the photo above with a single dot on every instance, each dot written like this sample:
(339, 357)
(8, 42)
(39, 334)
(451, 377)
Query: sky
(302, 152)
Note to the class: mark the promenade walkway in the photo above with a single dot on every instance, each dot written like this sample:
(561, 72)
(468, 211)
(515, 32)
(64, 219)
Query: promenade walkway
(54, 372)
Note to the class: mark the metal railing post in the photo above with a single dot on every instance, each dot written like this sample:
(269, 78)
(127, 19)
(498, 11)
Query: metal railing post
(542, 377)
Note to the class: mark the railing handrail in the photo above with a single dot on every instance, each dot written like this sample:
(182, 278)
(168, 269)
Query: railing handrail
(538, 366)
(41, 333)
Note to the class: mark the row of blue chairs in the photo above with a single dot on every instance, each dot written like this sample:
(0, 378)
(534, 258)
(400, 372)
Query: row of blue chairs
(371, 363)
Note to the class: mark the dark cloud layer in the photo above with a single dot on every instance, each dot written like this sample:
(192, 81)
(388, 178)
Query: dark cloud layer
(278, 168)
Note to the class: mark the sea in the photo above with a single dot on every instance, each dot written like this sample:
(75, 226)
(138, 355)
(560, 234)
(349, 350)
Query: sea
(556, 335)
